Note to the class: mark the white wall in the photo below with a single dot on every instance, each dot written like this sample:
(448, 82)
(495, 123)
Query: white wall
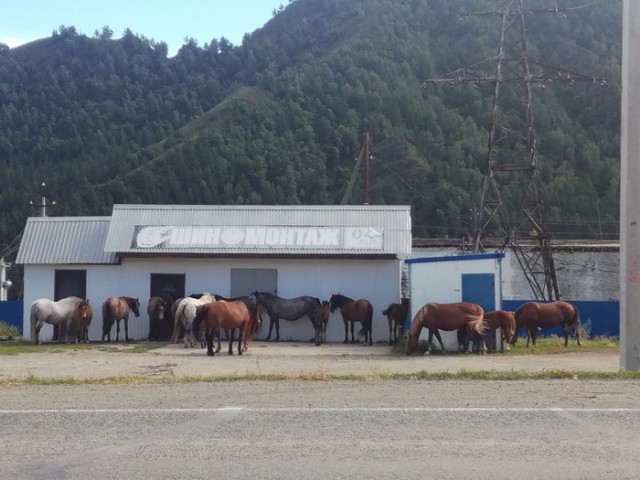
(441, 282)
(376, 280)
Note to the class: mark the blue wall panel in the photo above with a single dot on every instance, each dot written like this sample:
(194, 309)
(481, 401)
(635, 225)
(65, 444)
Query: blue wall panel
(11, 313)
(600, 319)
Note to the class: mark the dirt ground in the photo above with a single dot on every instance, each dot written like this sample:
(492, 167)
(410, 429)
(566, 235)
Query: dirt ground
(265, 358)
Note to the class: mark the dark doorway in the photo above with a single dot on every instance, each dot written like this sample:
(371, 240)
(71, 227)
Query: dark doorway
(68, 283)
(170, 287)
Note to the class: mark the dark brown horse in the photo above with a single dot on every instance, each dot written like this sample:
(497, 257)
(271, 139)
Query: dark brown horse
(228, 316)
(82, 316)
(444, 316)
(354, 311)
(396, 314)
(320, 317)
(493, 320)
(534, 315)
(115, 309)
(155, 310)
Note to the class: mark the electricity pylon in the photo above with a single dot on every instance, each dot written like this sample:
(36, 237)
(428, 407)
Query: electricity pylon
(512, 156)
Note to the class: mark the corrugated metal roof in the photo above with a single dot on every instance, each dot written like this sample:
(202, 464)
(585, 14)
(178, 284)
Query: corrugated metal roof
(65, 240)
(392, 223)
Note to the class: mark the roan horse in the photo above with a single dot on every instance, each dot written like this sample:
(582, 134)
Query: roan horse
(155, 310)
(396, 314)
(444, 316)
(115, 309)
(534, 315)
(493, 320)
(287, 309)
(229, 316)
(354, 311)
(320, 317)
(82, 316)
(185, 313)
(44, 311)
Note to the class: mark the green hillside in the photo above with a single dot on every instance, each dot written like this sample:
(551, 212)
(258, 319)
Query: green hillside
(280, 118)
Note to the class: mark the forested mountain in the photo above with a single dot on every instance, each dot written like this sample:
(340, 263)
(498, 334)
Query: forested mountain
(280, 118)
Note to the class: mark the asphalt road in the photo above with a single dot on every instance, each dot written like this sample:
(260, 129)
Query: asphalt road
(537, 429)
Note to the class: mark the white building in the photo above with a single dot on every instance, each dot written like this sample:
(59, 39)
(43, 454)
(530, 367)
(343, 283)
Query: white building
(177, 250)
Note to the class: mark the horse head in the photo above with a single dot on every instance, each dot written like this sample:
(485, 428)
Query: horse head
(135, 306)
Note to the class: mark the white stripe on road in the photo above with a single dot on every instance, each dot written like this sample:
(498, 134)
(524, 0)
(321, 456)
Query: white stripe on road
(325, 409)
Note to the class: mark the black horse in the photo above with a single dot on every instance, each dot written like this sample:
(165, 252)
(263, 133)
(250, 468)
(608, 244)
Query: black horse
(287, 309)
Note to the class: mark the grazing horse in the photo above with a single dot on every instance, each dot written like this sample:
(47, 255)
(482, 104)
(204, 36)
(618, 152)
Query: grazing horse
(444, 316)
(115, 309)
(396, 314)
(354, 311)
(229, 316)
(534, 315)
(44, 311)
(502, 319)
(82, 316)
(155, 310)
(185, 314)
(320, 317)
(287, 309)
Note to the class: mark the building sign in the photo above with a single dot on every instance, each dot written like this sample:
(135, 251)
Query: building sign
(332, 238)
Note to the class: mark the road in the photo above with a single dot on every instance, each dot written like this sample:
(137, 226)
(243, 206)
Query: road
(531, 429)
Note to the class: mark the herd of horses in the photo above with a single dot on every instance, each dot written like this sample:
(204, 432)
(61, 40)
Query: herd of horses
(206, 316)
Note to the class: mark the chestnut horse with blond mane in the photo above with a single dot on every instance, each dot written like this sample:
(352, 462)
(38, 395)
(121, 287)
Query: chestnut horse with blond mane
(502, 319)
(444, 316)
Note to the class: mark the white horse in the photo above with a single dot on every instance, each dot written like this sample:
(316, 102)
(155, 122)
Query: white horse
(44, 311)
(185, 313)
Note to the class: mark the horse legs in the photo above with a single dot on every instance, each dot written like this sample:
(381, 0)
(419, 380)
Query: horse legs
(209, 338)
(37, 331)
(117, 330)
(436, 332)
(232, 334)
(353, 337)
(391, 328)
(576, 329)
(126, 328)
(240, 331)
(346, 331)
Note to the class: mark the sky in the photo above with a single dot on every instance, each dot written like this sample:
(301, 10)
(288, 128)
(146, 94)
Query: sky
(170, 21)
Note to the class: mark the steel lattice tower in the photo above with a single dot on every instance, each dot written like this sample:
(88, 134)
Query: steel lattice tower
(512, 156)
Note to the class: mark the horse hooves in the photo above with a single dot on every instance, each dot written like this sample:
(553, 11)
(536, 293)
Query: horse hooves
(211, 353)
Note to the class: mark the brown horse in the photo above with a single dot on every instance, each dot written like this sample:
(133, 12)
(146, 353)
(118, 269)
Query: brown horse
(115, 309)
(155, 310)
(82, 316)
(444, 316)
(354, 311)
(534, 315)
(396, 314)
(229, 316)
(254, 311)
(320, 317)
(493, 320)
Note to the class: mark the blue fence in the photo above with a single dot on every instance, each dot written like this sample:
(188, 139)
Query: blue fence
(600, 319)
(11, 313)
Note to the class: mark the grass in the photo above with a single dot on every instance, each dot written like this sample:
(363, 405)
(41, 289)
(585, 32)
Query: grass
(484, 375)
(8, 331)
(544, 346)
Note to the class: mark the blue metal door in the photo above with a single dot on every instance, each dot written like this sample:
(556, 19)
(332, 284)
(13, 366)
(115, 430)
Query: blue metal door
(480, 288)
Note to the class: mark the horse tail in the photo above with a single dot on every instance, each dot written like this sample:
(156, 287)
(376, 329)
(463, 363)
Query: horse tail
(575, 321)
(106, 318)
(477, 322)
(201, 313)
(33, 316)
(387, 310)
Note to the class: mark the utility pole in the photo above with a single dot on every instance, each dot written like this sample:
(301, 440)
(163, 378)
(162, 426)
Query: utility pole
(43, 202)
(512, 152)
(363, 159)
(4, 283)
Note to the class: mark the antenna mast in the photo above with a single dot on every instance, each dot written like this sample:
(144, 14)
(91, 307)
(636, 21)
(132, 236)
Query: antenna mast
(512, 151)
